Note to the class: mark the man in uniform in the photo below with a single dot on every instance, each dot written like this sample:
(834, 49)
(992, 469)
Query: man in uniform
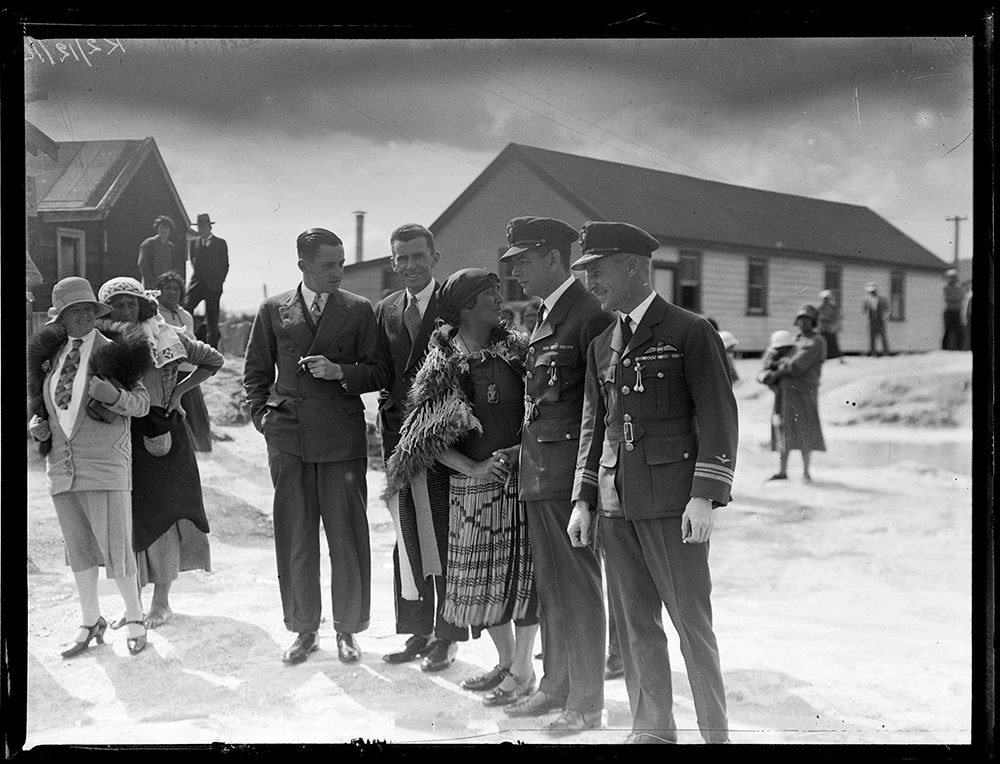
(405, 320)
(568, 579)
(657, 451)
(312, 352)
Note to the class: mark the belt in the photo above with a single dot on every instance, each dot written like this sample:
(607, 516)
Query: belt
(631, 432)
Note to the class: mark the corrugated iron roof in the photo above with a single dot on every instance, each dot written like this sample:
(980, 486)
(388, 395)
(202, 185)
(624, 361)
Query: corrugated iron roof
(679, 210)
(85, 172)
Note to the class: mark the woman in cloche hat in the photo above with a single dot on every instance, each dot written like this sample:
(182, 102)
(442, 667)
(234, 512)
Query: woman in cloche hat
(84, 387)
(168, 513)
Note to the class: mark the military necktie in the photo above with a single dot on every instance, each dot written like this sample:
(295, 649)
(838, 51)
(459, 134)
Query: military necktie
(411, 317)
(64, 388)
(626, 329)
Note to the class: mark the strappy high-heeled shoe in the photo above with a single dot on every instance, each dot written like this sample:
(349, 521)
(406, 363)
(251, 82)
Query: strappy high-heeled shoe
(93, 632)
(137, 644)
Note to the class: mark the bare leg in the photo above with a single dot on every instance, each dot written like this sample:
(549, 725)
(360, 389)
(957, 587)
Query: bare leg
(805, 465)
(503, 639)
(524, 637)
(782, 472)
(159, 608)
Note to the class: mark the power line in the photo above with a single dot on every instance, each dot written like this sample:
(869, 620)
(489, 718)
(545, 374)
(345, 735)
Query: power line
(590, 124)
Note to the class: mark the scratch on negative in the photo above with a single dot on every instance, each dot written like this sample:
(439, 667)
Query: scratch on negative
(955, 147)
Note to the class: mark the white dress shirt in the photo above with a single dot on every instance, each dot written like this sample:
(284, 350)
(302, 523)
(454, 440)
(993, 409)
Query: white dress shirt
(67, 416)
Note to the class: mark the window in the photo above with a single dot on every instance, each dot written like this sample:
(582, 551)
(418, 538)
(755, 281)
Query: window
(689, 281)
(71, 253)
(756, 287)
(510, 290)
(664, 278)
(897, 296)
(833, 279)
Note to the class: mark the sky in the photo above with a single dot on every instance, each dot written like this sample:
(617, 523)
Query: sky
(274, 136)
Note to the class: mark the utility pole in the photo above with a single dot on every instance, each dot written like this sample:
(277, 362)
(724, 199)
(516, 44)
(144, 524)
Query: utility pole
(957, 220)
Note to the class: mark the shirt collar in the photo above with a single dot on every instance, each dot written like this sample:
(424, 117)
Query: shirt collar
(308, 294)
(550, 301)
(207, 238)
(88, 340)
(639, 310)
(424, 294)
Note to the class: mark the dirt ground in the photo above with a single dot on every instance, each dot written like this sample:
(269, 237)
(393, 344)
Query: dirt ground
(842, 607)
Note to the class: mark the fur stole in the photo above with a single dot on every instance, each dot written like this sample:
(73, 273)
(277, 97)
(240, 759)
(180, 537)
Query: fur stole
(126, 358)
(439, 404)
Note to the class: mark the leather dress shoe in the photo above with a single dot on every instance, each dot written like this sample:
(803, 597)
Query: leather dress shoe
(535, 705)
(487, 681)
(441, 655)
(347, 648)
(521, 688)
(415, 647)
(614, 668)
(305, 643)
(572, 720)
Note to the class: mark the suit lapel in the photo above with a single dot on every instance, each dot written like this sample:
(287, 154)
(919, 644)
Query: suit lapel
(399, 338)
(293, 319)
(427, 325)
(330, 323)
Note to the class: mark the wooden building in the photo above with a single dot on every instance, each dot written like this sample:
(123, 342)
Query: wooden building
(745, 257)
(90, 204)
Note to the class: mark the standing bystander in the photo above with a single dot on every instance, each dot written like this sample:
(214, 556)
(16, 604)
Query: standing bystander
(209, 257)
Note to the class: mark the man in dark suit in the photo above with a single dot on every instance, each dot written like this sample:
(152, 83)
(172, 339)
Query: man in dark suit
(312, 352)
(657, 452)
(209, 257)
(405, 320)
(568, 579)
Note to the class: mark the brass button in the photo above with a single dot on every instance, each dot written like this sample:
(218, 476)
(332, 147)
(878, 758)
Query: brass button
(629, 446)
(659, 374)
(626, 390)
(531, 350)
(686, 454)
(628, 417)
(627, 362)
(553, 363)
(300, 398)
(568, 436)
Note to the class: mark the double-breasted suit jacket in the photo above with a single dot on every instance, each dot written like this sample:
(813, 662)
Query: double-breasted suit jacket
(660, 415)
(557, 366)
(317, 420)
(403, 357)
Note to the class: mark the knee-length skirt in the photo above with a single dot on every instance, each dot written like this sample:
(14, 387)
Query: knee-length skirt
(490, 579)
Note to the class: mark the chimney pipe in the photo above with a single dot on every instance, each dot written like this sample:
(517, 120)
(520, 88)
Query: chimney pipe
(359, 216)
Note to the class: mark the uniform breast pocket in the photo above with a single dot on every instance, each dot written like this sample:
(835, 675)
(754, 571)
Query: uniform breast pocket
(659, 380)
(556, 370)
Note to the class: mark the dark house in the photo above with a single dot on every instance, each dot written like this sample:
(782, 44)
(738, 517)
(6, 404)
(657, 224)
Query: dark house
(90, 204)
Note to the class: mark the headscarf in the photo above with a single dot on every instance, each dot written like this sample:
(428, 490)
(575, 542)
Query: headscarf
(460, 288)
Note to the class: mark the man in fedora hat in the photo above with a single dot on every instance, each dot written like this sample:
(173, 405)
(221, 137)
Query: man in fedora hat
(876, 309)
(209, 257)
(657, 453)
(954, 296)
(156, 254)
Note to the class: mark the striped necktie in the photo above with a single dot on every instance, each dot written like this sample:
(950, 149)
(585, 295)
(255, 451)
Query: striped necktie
(317, 306)
(411, 317)
(64, 388)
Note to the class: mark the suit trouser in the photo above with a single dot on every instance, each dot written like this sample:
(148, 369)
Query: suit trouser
(649, 564)
(337, 494)
(571, 596)
(877, 332)
(194, 296)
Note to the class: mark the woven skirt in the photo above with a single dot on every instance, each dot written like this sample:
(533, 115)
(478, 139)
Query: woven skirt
(490, 580)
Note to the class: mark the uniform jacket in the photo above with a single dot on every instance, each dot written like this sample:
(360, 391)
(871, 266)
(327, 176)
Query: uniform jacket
(209, 264)
(98, 454)
(402, 358)
(557, 366)
(318, 420)
(660, 412)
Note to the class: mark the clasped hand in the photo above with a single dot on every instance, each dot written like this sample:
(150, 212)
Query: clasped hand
(103, 391)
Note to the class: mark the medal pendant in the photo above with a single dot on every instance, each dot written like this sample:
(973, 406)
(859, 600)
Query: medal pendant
(492, 394)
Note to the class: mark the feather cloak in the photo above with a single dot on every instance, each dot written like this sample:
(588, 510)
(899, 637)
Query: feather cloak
(439, 415)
